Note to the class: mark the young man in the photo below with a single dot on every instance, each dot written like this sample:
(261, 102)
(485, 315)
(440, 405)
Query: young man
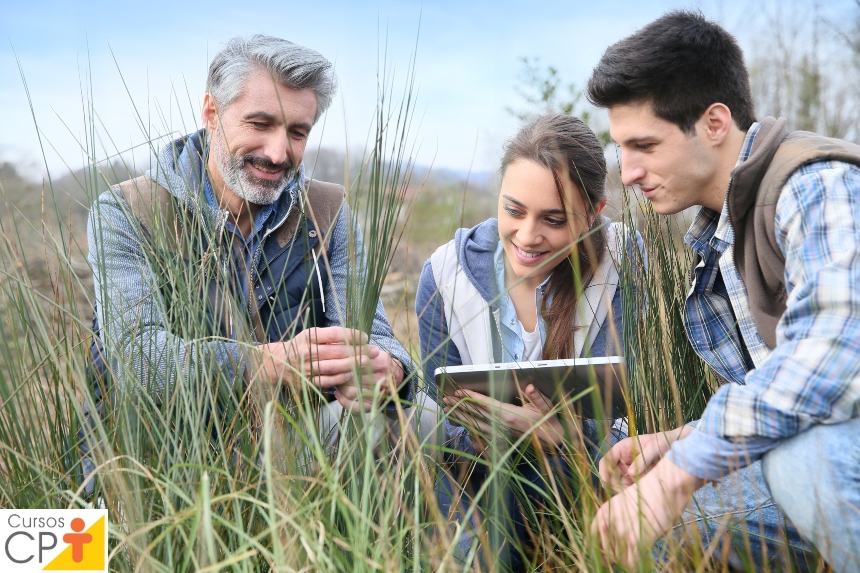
(774, 305)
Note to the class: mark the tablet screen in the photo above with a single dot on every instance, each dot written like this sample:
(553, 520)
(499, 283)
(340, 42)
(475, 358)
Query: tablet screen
(593, 385)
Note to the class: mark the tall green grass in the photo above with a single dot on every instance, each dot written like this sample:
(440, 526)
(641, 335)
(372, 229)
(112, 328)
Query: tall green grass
(202, 472)
(669, 383)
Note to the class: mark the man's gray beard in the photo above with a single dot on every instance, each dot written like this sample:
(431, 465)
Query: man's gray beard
(243, 184)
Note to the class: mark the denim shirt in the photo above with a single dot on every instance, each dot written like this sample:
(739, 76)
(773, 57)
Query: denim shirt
(513, 346)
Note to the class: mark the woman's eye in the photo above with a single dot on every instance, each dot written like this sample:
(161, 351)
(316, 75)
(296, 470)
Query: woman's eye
(513, 212)
(556, 222)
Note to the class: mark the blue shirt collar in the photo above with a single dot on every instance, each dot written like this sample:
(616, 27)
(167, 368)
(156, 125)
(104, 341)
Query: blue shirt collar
(746, 148)
(512, 342)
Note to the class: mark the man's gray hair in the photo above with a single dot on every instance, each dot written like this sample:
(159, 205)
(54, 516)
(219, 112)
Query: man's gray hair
(290, 64)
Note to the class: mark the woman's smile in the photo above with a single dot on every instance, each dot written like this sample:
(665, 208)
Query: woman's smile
(528, 256)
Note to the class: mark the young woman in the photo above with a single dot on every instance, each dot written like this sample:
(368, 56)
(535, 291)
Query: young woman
(537, 283)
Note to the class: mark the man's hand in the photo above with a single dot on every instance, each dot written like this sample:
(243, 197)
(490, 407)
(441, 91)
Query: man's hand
(384, 371)
(326, 356)
(478, 409)
(642, 513)
(632, 457)
(329, 358)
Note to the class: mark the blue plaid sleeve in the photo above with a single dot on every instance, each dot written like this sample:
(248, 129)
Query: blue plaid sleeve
(813, 375)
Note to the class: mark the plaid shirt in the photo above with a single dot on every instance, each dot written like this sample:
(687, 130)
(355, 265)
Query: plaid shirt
(813, 375)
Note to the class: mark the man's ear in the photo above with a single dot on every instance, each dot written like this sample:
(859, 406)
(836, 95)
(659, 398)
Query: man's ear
(715, 124)
(209, 113)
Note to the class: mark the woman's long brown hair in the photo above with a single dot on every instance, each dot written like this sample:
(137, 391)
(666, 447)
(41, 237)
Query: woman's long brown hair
(571, 151)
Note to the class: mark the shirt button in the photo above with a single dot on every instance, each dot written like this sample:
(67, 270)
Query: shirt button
(516, 356)
(260, 297)
(312, 233)
(512, 321)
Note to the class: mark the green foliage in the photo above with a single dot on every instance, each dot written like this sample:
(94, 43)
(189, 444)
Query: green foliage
(378, 196)
(669, 384)
(452, 206)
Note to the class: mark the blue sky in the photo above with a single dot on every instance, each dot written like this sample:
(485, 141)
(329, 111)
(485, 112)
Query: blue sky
(145, 64)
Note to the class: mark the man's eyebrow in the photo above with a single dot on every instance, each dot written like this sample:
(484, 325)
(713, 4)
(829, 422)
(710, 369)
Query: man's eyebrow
(301, 125)
(261, 115)
(635, 140)
(545, 211)
(268, 117)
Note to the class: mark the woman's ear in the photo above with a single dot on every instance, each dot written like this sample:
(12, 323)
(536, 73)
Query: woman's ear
(598, 208)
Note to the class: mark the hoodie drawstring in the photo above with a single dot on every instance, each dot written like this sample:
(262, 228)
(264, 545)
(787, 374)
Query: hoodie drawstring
(319, 278)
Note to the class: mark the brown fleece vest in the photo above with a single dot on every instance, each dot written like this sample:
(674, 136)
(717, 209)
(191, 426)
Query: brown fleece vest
(753, 193)
(164, 221)
(154, 207)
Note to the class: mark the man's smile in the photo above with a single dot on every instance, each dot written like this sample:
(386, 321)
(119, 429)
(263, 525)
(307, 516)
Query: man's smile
(266, 169)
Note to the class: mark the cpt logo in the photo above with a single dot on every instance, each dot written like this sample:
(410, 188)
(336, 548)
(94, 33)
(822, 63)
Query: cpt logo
(53, 540)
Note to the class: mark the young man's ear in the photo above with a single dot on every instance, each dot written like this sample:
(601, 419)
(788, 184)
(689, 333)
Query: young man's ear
(209, 114)
(715, 124)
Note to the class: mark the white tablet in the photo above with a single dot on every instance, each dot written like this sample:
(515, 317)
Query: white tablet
(594, 383)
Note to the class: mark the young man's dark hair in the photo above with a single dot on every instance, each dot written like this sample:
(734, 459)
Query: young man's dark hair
(681, 64)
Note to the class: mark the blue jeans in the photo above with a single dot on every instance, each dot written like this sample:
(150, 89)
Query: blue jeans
(803, 494)
(737, 519)
(814, 478)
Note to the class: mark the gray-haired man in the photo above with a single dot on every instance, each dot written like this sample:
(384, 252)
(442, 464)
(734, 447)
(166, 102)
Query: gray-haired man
(238, 186)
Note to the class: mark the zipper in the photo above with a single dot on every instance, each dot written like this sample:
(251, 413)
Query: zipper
(225, 266)
(257, 252)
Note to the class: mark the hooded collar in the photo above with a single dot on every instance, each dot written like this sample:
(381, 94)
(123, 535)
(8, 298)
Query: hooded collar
(476, 248)
(747, 176)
